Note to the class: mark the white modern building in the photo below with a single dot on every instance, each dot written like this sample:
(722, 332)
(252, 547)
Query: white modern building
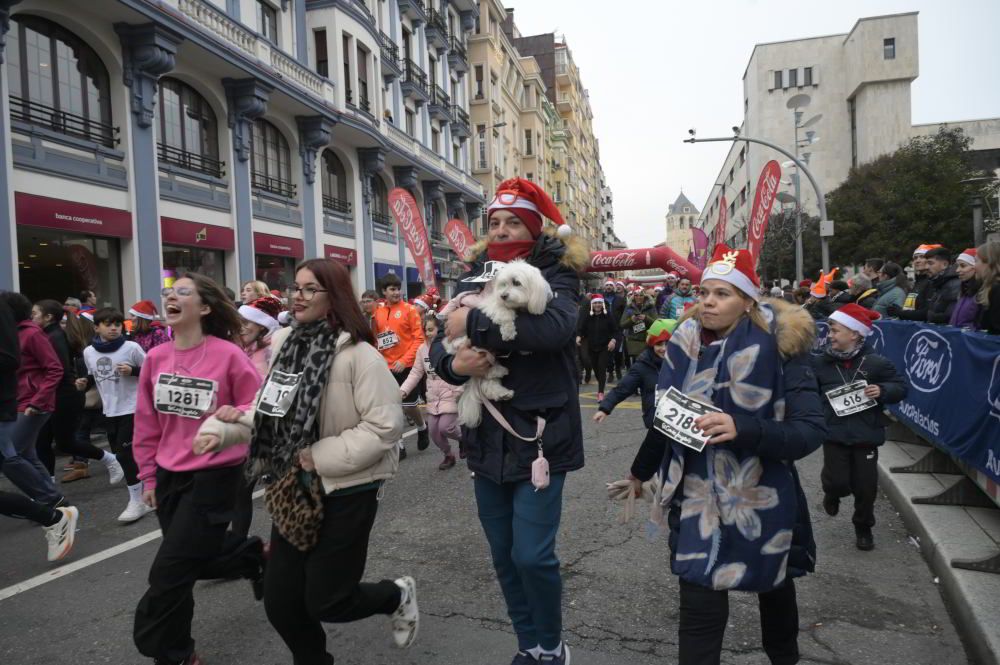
(140, 139)
(844, 99)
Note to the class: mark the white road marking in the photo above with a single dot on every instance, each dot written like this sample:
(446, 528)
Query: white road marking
(86, 562)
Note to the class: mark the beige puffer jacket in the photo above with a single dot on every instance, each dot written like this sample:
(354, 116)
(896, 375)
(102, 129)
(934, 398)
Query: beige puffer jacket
(360, 419)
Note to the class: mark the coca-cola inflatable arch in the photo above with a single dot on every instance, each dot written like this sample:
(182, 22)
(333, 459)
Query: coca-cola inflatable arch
(639, 259)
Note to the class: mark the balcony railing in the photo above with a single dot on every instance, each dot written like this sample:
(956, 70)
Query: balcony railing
(390, 51)
(382, 220)
(458, 47)
(414, 75)
(273, 185)
(190, 161)
(63, 122)
(334, 204)
(436, 19)
(436, 30)
(364, 103)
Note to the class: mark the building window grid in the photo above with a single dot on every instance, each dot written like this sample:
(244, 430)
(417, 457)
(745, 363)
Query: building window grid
(270, 160)
(188, 130)
(807, 76)
(333, 181)
(889, 48)
(322, 59)
(267, 21)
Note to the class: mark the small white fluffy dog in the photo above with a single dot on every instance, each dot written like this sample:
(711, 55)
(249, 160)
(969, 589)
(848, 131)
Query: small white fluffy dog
(518, 286)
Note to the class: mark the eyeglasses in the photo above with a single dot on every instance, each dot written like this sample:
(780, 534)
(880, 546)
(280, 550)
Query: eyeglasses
(180, 290)
(507, 196)
(307, 292)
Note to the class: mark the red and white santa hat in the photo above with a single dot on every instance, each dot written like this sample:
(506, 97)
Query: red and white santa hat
(594, 299)
(736, 267)
(657, 288)
(671, 276)
(621, 284)
(144, 309)
(264, 312)
(530, 203)
(857, 318)
(968, 256)
(923, 249)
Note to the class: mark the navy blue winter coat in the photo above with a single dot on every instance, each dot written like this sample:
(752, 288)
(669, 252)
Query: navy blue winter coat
(641, 378)
(541, 362)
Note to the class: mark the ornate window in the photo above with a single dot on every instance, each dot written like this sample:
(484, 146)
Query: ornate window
(380, 203)
(188, 131)
(270, 161)
(334, 182)
(57, 81)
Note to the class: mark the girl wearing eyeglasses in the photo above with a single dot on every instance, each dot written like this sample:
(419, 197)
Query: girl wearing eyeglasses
(182, 383)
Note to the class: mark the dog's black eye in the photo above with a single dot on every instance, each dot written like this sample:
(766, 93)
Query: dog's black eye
(516, 283)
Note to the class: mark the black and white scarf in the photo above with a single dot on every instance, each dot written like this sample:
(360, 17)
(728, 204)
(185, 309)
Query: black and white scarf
(276, 442)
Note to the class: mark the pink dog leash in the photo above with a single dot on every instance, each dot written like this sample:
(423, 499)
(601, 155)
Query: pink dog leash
(540, 467)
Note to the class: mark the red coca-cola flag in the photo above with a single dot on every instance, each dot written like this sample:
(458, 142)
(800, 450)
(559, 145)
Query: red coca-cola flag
(411, 225)
(763, 200)
(459, 237)
(720, 227)
(637, 259)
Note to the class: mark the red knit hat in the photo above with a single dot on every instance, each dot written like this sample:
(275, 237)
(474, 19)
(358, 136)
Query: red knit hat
(263, 311)
(736, 267)
(530, 203)
(968, 256)
(857, 318)
(923, 249)
(805, 284)
(144, 309)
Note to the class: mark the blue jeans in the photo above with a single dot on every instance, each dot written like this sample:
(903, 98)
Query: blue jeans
(521, 526)
(20, 458)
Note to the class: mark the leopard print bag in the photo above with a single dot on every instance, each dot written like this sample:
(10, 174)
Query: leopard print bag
(295, 502)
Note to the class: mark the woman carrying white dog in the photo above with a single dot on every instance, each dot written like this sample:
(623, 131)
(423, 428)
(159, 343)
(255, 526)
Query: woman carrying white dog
(521, 523)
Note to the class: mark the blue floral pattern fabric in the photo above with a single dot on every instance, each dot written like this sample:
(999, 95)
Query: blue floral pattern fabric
(736, 510)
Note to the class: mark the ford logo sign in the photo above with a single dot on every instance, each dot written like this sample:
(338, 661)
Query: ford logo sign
(993, 396)
(822, 332)
(928, 361)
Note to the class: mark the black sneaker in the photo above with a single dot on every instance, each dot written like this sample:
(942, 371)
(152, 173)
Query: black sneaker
(402, 454)
(865, 541)
(523, 658)
(831, 505)
(561, 659)
(423, 439)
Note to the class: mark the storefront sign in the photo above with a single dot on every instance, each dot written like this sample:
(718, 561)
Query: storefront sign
(763, 200)
(270, 245)
(49, 213)
(192, 234)
(348, 257)
(407, 214)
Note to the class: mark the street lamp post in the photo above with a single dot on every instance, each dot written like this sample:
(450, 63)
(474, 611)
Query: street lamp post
(821, 200)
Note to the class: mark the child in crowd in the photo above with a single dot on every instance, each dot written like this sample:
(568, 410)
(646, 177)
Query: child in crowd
(855, 423)
(442, 399)
(113, 364)
(146, 330)
(643, 374)
(260, 320)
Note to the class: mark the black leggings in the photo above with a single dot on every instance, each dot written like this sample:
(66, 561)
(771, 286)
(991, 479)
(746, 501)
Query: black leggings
(21, 507)
(62, 428)
(120, 439)
(705, 613)
(599, 361)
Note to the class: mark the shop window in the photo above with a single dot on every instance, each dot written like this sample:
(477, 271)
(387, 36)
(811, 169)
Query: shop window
(278, 272)
(177, 261)
(188, 134)
(57, 81)
(334, 182)
(270, 161)
(57, 264)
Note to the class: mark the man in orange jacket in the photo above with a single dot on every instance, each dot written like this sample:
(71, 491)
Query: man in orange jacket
(399, 332)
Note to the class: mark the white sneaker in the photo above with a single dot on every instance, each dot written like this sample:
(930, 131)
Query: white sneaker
(62, 534)
(135, 510)
(116, 473)
(406, 618)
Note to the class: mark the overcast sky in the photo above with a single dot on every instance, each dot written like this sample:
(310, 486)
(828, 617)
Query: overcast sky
(655, 68)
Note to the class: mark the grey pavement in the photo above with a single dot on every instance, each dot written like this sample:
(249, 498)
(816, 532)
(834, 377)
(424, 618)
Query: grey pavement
(620, 598)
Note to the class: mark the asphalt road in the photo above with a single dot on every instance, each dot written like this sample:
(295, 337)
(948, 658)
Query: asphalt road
(620, 599)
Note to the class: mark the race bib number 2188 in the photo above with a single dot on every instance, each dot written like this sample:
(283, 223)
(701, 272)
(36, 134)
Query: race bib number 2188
(675, 417)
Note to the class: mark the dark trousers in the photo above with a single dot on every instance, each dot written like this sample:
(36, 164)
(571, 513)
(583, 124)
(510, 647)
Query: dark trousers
(119, 430)
(599, 361)
(20, 458)
(193, 508)
(853, 470)
(21, 507)
(705, 612)
(244, 508)
(61, 429)
(304, 589)
(583, 361)
(616, 360)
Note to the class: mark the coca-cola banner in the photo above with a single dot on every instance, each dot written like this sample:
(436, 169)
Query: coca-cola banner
(699, 242)
(407, 214)
(720, 227)
(638, 259)
(459, 237)
(767, 190)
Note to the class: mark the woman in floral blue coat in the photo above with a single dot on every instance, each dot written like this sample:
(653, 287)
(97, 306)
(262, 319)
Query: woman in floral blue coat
(735, 512)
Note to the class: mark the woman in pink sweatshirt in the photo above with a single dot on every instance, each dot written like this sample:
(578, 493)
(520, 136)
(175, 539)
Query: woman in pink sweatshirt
(442, 398)
(182, 383)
